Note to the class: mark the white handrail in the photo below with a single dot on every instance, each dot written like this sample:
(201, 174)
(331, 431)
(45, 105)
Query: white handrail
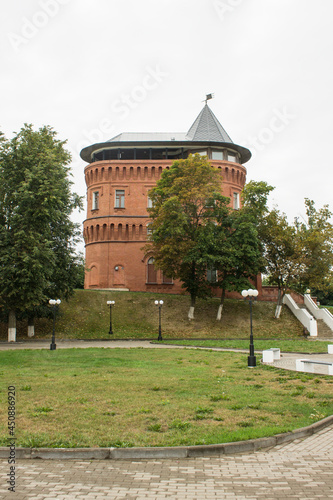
(302, 315)
(318, 313)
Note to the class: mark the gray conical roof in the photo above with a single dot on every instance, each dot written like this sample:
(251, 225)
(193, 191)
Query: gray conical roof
(207, 128)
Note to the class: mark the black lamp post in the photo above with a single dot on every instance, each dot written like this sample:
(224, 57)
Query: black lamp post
(54, 303)
(251, 295)
(159, 303)
(110, 303)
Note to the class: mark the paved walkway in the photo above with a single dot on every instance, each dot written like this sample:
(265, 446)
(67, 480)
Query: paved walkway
(298, 470)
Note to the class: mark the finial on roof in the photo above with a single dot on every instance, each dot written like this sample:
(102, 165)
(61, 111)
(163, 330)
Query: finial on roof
(208, 96)
(206, 127)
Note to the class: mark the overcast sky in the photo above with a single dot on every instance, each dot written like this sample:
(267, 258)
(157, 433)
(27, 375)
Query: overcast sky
(95, 68)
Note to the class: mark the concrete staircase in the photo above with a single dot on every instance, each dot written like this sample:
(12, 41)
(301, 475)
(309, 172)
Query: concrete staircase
(318, 322)
(324, 331)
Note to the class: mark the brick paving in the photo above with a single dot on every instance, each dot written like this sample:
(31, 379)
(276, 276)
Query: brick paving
(298, 470)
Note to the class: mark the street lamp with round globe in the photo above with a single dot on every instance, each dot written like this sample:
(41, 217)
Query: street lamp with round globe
(159, 303)
(54, 303)
(110, 303)
(251, 294)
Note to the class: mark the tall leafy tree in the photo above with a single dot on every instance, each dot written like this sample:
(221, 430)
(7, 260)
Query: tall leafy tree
(183, 222)
(284, 253)
(317, 234)
(37, 236)
(237, 256)
(297, 255)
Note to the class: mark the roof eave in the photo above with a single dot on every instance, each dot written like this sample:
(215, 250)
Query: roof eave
(86, 153)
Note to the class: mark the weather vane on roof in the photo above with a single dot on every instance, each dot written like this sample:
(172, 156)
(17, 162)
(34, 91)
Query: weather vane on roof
(208, 96)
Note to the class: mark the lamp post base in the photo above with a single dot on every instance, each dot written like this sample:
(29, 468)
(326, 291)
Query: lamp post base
(53, 347)
(251, 361)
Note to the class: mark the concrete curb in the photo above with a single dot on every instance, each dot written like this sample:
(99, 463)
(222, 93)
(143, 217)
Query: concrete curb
(213, 450)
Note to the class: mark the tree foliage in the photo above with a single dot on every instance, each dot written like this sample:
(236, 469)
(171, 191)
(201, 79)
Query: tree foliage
(255, 197)
(195, 229)
(183, 203)
(236, 252)
(297, 255)
(283, 253)
(37, 237)
(317, 234)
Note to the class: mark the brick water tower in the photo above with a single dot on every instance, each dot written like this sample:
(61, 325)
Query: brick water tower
(119, 175)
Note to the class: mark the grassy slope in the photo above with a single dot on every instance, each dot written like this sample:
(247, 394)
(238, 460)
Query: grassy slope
(86, 316)
(292, 345)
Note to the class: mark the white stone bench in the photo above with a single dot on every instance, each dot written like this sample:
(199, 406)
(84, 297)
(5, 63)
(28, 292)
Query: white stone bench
(330, 348)
(302, 364)
(270, 355)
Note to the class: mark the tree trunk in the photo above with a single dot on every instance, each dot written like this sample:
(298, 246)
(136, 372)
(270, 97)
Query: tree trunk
(220, 309)
(12, 326)
(278, 305)
(31, 326)
(191, 310)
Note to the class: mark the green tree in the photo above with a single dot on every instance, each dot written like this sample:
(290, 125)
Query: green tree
(237, 256)
(37, 237)
(283, 253)
(183, 222)
(255, 197)
(298, 255)
(317, 234)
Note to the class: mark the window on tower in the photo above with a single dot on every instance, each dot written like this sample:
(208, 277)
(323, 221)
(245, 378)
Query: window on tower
(236, 201)
(120, 198)
(95, 200)
(232, 157)
(217, 155)
(151, 271)
(211, 275)
(166, 280)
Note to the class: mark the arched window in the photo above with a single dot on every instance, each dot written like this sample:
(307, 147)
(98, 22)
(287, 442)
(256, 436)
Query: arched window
(151, 271)
(93, 276)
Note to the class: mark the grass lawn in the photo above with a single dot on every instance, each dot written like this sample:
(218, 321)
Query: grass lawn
(294, 345)
(142, 397)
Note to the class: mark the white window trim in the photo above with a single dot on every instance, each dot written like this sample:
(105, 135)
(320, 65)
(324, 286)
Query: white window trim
(95, 200)
(236, 201)
(121, 199)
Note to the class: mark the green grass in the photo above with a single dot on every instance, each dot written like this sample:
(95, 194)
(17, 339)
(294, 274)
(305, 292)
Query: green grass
(145, 397)
(294, 345)
(86, 316)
